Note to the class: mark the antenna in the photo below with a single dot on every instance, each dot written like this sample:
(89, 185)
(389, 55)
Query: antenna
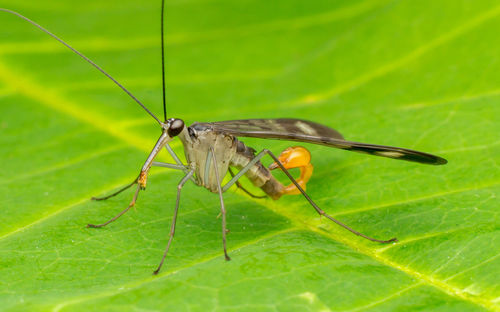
(85, 58)
(163, 59)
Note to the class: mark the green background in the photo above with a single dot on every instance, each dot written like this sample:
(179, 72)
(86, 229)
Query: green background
(417, 74)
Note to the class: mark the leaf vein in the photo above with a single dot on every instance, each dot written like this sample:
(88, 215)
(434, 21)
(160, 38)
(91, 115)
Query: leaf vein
(421, 198)
(65, 164)
(396, 64)
(139, 283)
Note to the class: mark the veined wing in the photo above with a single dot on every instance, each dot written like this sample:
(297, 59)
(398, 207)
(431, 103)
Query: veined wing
(281, 128)
(311, 132)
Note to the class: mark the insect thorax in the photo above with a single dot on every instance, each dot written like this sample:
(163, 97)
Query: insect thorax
(197, 144)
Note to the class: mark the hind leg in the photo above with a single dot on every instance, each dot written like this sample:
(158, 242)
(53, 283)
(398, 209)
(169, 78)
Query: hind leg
(320, 211)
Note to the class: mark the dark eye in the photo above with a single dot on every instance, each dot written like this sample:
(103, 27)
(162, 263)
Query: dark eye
(176, 127)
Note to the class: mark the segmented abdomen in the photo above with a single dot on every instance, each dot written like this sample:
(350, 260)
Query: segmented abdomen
(258, 174)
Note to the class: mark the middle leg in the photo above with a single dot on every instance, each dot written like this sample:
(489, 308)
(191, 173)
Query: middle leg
(174, 218)
(222, 207)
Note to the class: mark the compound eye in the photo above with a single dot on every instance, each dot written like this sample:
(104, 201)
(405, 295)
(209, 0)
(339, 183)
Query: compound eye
(176, 127)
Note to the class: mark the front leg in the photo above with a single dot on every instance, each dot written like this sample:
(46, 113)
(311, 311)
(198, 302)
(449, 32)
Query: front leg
(141, 184)
(141, 180)
(117, 192)
(144, 179)
(132, 204)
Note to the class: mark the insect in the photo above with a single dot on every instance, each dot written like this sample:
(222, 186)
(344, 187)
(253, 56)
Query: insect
(213, 149)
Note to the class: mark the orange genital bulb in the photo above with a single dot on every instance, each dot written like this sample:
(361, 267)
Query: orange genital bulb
(296, 157)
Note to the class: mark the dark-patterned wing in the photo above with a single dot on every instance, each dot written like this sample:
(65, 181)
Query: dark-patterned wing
(281, 128)
(311, 132)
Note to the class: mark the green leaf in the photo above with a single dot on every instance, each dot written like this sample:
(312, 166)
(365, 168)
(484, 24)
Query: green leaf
(420, 75)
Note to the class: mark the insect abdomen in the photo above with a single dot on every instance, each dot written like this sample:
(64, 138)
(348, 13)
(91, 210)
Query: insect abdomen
(258, 174)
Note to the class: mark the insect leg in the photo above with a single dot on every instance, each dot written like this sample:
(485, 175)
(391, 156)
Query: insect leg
(117, 192)
(159, 164)
(243, 171)
(132, 203)
(173, 154)
(141, 179)
(155, 163)
(238, 184)
(177, 160)
(174, 219)
(222, 208)
(319, 210)
(167, 165)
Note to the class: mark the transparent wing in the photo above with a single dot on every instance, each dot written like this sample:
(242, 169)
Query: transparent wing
(281, 128)
(311, 132)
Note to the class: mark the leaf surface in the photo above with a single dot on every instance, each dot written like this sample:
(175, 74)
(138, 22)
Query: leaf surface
(417, 75)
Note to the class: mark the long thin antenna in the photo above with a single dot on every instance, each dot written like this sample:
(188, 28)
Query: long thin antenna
(163, 58)
(84, 57)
